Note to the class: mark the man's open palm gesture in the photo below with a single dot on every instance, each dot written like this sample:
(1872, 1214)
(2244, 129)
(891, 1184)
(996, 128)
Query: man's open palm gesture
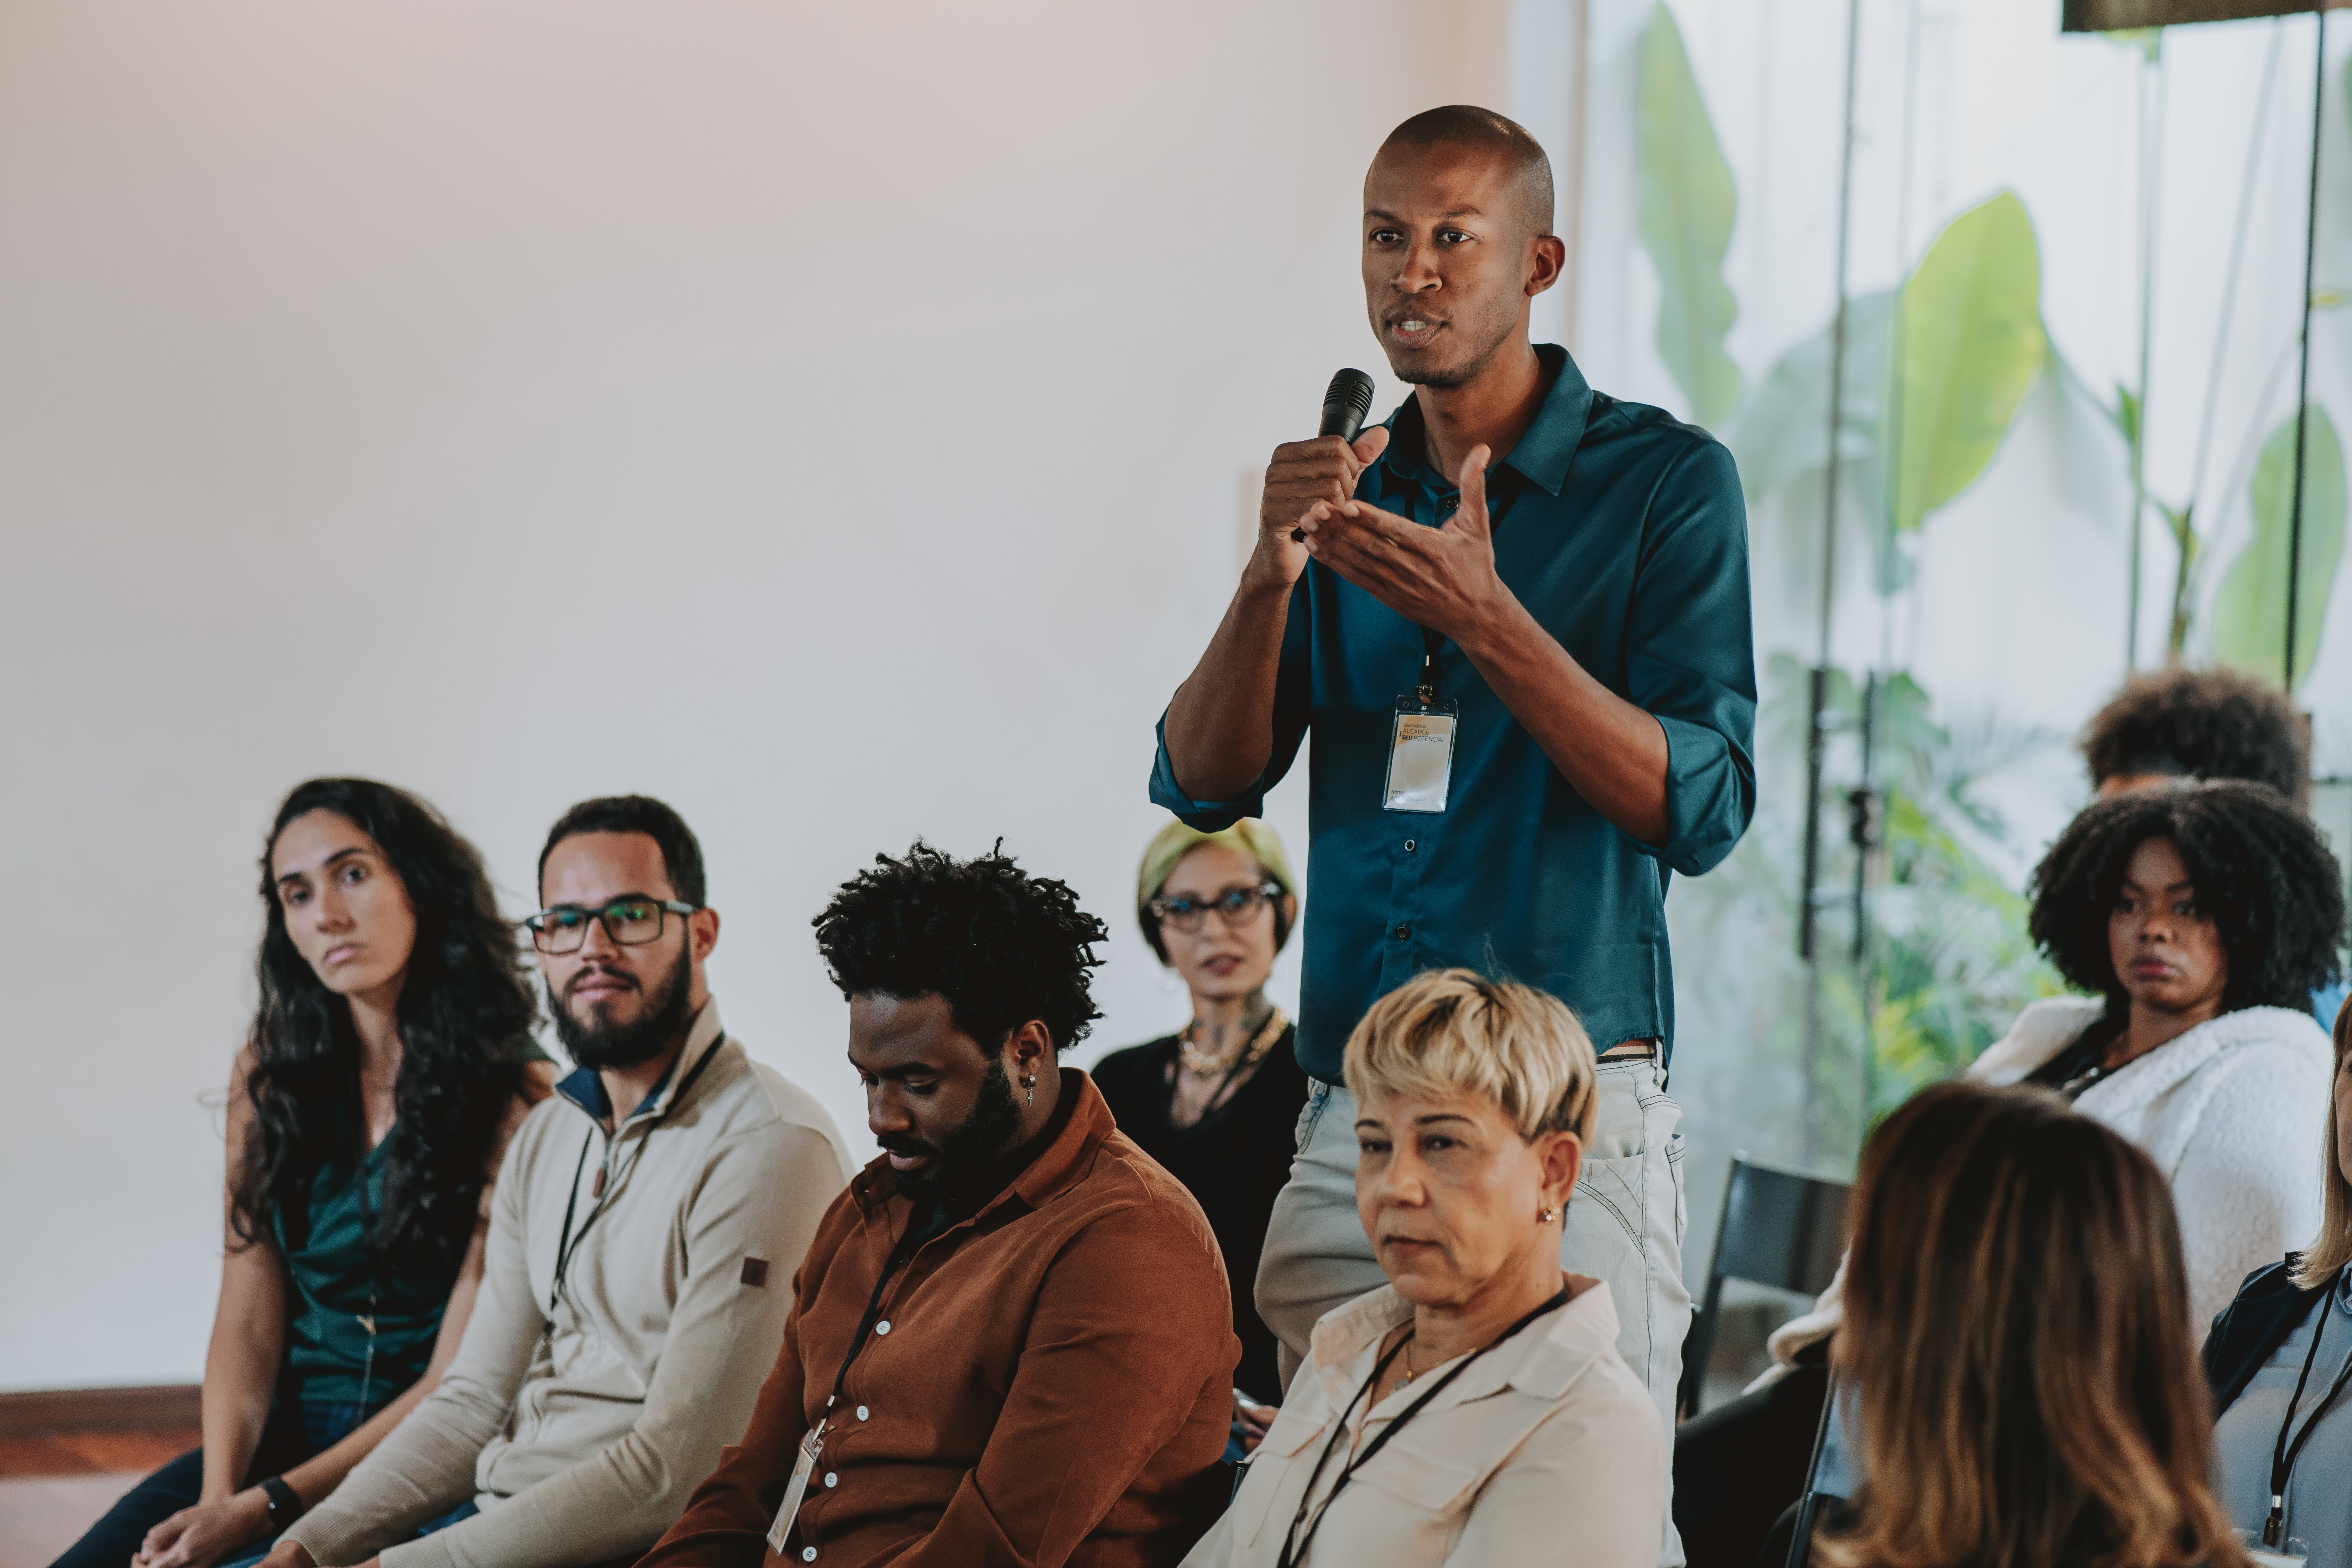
(1441, 577)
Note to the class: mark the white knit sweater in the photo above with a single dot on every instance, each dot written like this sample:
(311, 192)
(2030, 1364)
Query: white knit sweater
(2234, 1112)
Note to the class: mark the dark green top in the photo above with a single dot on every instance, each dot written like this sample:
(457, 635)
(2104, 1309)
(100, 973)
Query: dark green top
(1624, 534)
(327, 1261)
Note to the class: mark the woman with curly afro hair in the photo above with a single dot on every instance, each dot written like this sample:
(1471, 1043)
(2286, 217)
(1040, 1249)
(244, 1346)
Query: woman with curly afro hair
(2200, 916)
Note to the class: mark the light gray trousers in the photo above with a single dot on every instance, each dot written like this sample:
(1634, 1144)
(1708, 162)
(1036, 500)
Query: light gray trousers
(1624, 1226)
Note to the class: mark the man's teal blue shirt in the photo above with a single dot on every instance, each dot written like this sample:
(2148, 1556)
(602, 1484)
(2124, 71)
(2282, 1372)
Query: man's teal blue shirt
(1624, 534)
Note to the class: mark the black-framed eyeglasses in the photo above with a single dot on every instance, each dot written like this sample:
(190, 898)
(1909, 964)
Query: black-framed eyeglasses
(1235, 904)
(630, 922)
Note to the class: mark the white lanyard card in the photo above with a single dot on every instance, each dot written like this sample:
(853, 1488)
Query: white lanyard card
(812, 1445)
(1421, 753)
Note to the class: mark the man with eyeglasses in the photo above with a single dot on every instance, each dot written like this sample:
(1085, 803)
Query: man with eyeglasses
(643, 1235)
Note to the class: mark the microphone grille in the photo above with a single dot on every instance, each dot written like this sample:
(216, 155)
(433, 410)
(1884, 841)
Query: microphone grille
(1352, 388)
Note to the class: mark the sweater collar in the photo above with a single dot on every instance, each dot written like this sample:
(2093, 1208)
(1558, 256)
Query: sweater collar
(2049, 1025)
(584, 1087)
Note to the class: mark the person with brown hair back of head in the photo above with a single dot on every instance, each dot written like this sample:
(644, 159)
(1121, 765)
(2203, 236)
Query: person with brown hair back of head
(2017, 1339)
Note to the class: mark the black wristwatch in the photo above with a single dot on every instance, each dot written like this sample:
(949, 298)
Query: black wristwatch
(285, 1507)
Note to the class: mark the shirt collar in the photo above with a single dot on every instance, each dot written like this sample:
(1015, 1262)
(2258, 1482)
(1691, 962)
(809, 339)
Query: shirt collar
(1544, 451)
(584, 1087)
(1543, 1359)
(1062, 1165)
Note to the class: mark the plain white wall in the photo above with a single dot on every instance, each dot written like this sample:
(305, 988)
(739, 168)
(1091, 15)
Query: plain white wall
(833, 419)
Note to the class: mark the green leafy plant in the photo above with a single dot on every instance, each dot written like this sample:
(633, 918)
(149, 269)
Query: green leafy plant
(1967, 341)
(2250, 612)
(1687, 206)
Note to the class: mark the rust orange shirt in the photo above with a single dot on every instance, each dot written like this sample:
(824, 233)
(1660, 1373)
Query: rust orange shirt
(1047, 1382)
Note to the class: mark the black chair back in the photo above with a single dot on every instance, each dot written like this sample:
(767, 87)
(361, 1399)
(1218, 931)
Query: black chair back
(1781, 1228)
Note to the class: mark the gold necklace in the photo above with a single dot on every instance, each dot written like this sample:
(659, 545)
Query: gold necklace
(1197, 1060)
(1404, 1359)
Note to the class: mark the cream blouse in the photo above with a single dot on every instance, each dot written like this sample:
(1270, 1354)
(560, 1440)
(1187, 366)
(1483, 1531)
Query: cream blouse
(1547, 1450)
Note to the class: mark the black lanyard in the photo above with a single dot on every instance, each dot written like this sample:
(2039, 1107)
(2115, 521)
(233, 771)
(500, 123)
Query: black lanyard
(567, 1245)
(1430, 643)
(1294, 1545)
(2284, 1455)
(903, 1253)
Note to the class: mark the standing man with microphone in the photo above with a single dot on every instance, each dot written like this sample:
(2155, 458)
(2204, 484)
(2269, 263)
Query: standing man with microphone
(1531, 687)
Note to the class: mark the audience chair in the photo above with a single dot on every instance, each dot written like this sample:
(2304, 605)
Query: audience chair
(1781, 1228)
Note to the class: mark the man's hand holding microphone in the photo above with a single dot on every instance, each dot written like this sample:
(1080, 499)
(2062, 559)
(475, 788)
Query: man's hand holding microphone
(1303, 473)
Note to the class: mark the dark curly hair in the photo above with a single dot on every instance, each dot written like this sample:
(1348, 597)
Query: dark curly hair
(2263, 875)
(1002, 946)
(2201, 724)
(465, 1016)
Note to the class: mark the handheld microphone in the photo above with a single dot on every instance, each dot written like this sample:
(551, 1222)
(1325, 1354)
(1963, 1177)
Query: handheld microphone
(1345, 403)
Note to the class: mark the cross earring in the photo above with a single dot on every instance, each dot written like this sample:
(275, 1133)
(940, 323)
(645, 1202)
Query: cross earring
(1030, 1083)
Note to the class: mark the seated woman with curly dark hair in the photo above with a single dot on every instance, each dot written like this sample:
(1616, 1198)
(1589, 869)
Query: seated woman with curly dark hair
(2202, 917)
(389, 1059)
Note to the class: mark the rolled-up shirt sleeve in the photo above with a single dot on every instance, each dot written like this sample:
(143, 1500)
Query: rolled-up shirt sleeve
(1691, 656)
(1292, 700)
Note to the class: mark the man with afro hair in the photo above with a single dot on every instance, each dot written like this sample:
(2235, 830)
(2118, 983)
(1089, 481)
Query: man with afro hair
(1012, 1340)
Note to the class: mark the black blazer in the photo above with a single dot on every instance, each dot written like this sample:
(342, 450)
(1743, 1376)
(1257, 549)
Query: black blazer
(2267, 1309)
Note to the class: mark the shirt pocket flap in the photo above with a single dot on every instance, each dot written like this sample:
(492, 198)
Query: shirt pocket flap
(1290, 1433)
(1285, 1443)
(1429, 1476)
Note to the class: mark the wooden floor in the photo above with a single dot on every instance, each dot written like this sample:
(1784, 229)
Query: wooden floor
(55, 1485)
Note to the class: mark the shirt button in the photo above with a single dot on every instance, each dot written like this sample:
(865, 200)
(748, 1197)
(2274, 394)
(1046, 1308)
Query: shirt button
(808, 1553)
(1401, 932)
(861, 1412)
(830, 1479)
(883, 1327)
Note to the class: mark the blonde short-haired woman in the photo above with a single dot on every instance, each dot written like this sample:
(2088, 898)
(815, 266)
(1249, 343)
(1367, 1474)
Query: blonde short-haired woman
(1475, 1409)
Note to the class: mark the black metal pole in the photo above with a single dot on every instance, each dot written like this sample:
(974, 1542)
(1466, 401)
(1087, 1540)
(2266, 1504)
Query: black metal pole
(2303, 371)
(1818, 717)
(1815, 728)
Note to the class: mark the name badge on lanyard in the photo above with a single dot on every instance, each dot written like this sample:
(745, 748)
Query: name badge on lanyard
(811, 1445)
(1421, 742)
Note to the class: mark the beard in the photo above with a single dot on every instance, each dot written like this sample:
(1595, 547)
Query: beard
(1444, 378)
(963, 1157)
(599, 1042)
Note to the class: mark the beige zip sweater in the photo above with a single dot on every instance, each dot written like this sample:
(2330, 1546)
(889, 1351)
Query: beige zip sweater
(584, 1444)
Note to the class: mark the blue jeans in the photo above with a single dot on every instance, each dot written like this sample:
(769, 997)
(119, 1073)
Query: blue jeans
(296, 1430)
